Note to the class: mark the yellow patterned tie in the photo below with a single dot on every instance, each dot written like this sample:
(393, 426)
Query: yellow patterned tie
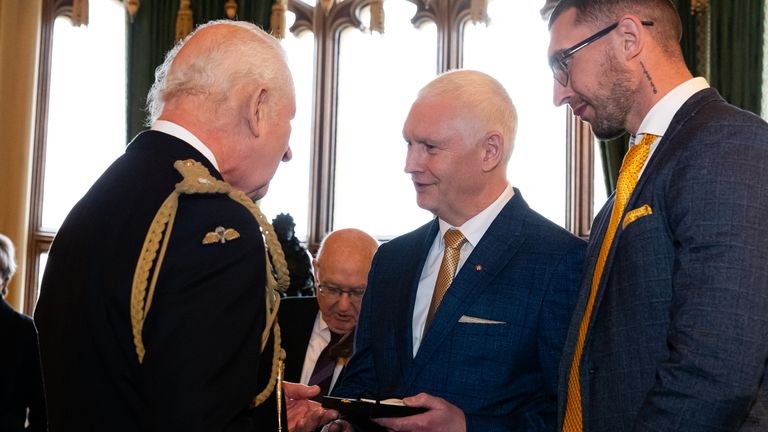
(453, 239)
(630, 170)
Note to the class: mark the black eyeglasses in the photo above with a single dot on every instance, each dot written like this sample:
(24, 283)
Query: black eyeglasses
(333, 293)
(558, 62)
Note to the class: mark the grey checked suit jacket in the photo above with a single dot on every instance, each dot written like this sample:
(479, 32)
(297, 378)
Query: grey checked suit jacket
(678, 339)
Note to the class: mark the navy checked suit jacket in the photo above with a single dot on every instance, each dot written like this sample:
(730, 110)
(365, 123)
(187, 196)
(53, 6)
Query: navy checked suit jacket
(678, 339)
(524, 273)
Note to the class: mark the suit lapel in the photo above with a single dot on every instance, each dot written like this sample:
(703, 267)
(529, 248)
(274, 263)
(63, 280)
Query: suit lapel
(664, 150)
(497, 246)
(410, 286)
(597, 235)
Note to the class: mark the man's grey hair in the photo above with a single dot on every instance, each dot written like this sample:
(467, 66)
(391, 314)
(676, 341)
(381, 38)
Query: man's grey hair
(252, 56)
(7, 262)
(483, 96)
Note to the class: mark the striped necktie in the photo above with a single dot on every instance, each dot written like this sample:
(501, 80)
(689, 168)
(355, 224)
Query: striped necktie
(628, 175)
(322, 374)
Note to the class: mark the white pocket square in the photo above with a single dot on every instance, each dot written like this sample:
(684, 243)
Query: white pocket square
(476, 320)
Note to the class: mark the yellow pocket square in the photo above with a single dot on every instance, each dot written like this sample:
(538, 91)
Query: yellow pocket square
(636, 214)
(220, 235)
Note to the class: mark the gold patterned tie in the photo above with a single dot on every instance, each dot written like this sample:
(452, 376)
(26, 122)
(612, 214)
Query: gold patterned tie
(453, 240)
(628, 174)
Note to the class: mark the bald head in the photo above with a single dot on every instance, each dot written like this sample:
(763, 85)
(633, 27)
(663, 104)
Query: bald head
(483, 100)
(341, 274)
(349, 244)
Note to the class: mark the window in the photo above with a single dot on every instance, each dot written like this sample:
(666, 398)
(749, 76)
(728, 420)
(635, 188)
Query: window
(364, 84)
(354, 89)
(538, 165)
(289, 189)
(83, 101)
(374, 99)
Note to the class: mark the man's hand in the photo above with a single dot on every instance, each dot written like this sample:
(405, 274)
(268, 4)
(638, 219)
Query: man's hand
(303, 414)
(441, 416)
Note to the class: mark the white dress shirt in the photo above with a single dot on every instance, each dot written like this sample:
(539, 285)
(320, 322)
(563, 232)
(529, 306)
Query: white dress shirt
(181, 133)
(473, 230)
(660, 116)
(321, 337)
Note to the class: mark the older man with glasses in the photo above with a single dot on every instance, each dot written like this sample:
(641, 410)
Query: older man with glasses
(317, 332)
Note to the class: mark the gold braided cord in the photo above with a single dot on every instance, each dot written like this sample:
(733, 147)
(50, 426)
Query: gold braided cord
(275, 261)
(278, 356)
(197, 179)
(156, 272)
(275, 251)
(143, 266)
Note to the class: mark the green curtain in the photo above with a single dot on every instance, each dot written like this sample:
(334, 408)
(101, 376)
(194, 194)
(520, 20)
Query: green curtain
(151, 35)
(737, 51)
(688, 41)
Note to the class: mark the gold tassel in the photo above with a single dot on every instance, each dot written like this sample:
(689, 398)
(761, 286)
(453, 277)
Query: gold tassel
(377, 16)
(699, 6)
(183, 20)
(327, 5)
(231, 9)
(478, 11)
(80, 13)
(132, 6)
(277, 21)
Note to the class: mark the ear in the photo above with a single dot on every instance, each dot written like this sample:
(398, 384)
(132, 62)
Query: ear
(257, 111)
(493, 150)
(633, 36)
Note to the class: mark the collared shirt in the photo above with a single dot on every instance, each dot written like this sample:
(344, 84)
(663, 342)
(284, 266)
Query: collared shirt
(321, 337)
(660, 116)
(473, 230)
(181, 133)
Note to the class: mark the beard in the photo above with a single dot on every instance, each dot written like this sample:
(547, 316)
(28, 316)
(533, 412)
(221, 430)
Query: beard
(612, 105)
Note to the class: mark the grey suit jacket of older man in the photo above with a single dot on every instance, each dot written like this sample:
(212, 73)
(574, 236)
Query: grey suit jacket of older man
(678, 339)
